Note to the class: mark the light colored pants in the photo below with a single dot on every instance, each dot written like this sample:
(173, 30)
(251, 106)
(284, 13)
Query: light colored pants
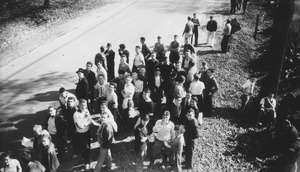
(211, 35)
(104, 156)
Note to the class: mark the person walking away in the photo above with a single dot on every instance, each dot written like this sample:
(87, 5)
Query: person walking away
(233, 6)
(211, 31)
(196, 27)
(226, 36)
(188, 29)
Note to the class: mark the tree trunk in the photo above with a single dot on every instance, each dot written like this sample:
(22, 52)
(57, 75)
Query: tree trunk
(281, 27)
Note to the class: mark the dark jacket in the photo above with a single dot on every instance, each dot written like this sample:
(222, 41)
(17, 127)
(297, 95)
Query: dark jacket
(210, 85)
(82, 89)
(146, 51)
(91, 78)
(59, 124)
(49, 159)
(212, 26)
(191, 129)
(105, 135)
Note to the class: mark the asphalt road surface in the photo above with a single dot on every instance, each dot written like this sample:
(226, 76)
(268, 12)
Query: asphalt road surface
(30, 84)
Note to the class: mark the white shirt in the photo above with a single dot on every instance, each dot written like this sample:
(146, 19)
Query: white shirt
(112, 98)
(192, 72)
(139, 60)
(165, 131)
(82, 120)
(197, 87)
(248, 87)
(102, 89)
(103, 72)
(128, 91)
(157, 81)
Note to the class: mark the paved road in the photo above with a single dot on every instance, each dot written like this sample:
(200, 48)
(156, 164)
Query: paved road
(30, 84)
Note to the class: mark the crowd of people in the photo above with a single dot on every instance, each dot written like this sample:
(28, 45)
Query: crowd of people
(162, 98)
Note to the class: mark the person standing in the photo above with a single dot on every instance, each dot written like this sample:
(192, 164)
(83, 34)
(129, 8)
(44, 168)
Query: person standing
(211, 87)
(105, 135)
(101, 57)
(233, 6)
(191, 134)
(54, 125)
(196, 88)
(177, 146)
(248, 88)
(159, 48)
(174, 50)
(9, 164)
(122, 51)
(195, 30)
(267, 109)
(101, 89)
(48, 155)
(226, 36)
(127, 92)
(123, 65)
(188, 46)
(110, 58)
(145, 50)
(211, 31)
(164, 133)
(140, 144)
(101, 71)
(82, 89)
(188, 29)
(82, 120)
(63, 99)
(91, 78)
(138, 60)
(245, 3)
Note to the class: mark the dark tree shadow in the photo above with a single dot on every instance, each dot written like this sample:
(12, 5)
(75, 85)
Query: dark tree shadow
(201, 53)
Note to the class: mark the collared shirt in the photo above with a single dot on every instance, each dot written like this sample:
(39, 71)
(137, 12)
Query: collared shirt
(82, 120)
(51, 125)
(248, 87)
(103, 72)
(157, 81)
(165, 131)
(159, 47)
(197, 87)
(102, 89)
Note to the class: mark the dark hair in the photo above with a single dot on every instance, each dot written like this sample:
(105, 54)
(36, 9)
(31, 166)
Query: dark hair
(122, 72)
(5, 154)
(189, 18)
(181, 79)
(122, 46)
(143, 38)
(138, 47)
(113, 84)
(145, 117)
(191, 110)
(108, 44)
(61, 90)
(192, 63)
(159, 37)
(211, 70)
(203, 63)
(102, 49)
(146, 90)
(104, 102)
(82, 101)
(89, 63)
(51, 107)
(196, 77)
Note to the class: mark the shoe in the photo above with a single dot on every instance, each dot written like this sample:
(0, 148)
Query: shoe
(87, 166)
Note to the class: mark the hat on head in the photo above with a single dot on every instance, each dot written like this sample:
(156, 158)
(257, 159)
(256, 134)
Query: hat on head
(80, 70)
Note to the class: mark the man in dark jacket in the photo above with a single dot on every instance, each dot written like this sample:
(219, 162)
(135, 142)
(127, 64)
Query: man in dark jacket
(105, 137)
(211, 87)
(211, 31)
(122, 51)
(91, 78)
(191, 134)
(82, 89)
(54, 125)
(145, 50)
(110, 58)
(233, 6)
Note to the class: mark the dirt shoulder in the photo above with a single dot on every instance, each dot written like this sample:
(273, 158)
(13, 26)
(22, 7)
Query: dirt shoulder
(21, 35)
